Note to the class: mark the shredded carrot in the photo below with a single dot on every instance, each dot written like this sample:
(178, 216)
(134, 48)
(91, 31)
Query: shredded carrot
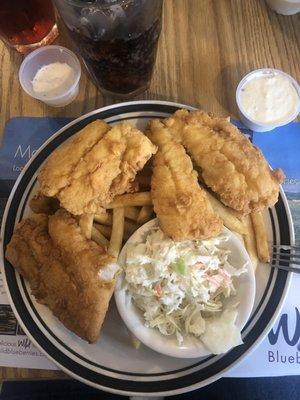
(158, 289)
(200, 265)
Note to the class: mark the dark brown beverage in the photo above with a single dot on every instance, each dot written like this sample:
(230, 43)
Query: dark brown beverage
(117, 40)
(120, 65)
(25, 23)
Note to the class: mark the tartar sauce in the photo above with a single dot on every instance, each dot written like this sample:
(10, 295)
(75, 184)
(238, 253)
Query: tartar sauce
(53, 79)
(269, 99)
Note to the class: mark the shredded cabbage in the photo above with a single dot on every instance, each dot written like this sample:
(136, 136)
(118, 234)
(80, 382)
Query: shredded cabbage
(180, 286)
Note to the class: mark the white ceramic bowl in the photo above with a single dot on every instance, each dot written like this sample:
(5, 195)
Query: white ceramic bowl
(191, 347)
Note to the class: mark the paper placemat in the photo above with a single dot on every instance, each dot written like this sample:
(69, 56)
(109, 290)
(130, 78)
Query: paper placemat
(277, 355)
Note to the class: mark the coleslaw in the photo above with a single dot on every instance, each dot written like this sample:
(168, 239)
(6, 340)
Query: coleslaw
(180, 287)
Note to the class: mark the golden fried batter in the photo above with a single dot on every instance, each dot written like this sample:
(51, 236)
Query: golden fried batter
(86, 173)
(58, 169)
(63, 268)
(230, 165)
(182, 207)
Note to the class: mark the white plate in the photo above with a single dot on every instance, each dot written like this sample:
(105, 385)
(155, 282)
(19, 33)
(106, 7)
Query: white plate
(191, 346)
(113, 364)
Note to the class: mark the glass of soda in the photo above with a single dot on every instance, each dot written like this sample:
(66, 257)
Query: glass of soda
(27, 25)
(117, 40)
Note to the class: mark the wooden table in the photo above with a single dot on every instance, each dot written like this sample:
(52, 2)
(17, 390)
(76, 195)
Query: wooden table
(205, 48)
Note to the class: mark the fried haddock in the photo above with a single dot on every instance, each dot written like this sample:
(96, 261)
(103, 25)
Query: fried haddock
(63, 274)
(230, 165)
(182, 207)
(99, 163)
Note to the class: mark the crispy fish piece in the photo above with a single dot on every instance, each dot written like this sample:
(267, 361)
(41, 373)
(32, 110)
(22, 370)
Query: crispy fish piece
(57, 172)
(230, 164)
(30, 234)
(68, 273)
(98, 172)
(182, 207)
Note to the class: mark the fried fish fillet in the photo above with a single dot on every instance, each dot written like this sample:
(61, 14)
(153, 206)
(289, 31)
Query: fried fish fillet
(231, 165)
(182, 207)
(57, 172)
(64, 270)
(87, 172)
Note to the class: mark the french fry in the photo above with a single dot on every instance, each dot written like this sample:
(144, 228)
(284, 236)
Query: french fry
(104, 229)
(129, 228)
(261, 237)
(227, 215)
(104, 219)
(131, 199)
(131, 212)
(237, 214)
(144, 214)
(240, 237)
(117, 232)
(99, 238)
(86, 224)
(250, 242)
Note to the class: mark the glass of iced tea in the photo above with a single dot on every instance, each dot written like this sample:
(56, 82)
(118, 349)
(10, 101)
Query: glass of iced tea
(27, 24)
(117, 40)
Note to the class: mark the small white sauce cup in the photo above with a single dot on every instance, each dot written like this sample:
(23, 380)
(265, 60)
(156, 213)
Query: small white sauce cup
(285, 7)
(255, 125)
(44, 56)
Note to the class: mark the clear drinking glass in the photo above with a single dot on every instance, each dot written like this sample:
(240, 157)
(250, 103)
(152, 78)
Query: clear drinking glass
(117, 40)
(27, 24)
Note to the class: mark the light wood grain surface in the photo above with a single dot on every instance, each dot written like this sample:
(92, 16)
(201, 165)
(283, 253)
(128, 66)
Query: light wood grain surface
(205, 48)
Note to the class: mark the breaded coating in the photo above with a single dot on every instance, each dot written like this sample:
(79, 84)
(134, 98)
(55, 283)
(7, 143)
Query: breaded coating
(230, 164)
(62, 268)
(96, 173)
(57, 171)
(182, 207)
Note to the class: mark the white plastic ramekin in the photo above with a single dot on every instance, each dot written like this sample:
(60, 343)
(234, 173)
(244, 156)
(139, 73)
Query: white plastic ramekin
(44, 56)
(255, 125)
(285, 7)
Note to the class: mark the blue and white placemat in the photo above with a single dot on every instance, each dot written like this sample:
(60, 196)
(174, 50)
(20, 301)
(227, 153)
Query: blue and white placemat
(277, 355)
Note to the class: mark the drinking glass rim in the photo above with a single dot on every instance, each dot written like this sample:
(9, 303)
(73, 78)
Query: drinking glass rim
(102, 6)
